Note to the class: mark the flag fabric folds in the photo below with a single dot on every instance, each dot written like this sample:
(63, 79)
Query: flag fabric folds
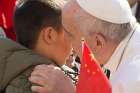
(92, 79)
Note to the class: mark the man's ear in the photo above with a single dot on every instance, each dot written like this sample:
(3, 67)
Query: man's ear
(49, 35)
(99, 41)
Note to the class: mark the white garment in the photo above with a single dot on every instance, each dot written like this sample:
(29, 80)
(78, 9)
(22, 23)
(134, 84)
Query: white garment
(126, 79)
(134, 9)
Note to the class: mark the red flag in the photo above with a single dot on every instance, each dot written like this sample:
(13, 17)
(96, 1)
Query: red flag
(6, 17)
(92, 79)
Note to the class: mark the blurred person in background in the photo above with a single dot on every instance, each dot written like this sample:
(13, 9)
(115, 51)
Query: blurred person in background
(73, 61)
(2, 33)
(6, 17)
(135, 5)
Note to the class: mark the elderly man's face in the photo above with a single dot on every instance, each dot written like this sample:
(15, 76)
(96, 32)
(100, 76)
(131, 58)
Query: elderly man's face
(69, 24)
(75, 34)
(75, 38)
(96, 42)
(101, 48)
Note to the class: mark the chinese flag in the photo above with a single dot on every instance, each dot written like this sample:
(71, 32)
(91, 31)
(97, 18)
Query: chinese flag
(92, 79)
(6, 17)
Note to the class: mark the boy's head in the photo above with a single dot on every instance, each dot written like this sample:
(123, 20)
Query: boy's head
(39, 27)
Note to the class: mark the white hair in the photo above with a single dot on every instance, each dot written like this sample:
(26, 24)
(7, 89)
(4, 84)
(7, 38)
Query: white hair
(88, 23)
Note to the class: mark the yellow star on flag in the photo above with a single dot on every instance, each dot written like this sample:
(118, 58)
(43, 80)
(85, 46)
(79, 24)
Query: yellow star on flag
(92, 57)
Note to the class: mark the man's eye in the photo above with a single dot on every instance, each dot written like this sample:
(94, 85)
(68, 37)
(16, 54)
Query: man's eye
(70, 35)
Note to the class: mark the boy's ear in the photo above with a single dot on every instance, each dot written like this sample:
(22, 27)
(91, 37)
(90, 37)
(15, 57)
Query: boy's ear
(49, 35)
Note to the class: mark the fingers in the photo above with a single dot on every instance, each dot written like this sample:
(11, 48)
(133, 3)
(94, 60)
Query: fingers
(46, 68)
(39, 89)
(42, 73)
(38, 80)
(43, 67)
(47, 77)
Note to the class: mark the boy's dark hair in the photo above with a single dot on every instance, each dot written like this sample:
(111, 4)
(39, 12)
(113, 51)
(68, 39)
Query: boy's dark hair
(32, 16)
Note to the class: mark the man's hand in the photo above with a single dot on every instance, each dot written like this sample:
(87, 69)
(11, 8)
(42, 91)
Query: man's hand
(50, 80)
